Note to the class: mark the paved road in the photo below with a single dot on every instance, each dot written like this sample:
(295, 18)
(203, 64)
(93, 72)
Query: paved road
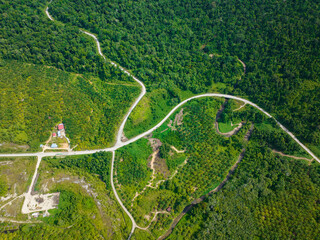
(143, 91)
(222, 96)
(120, 144)
(134, 225)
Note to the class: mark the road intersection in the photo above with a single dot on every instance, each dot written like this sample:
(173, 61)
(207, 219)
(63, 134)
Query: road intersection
(119, 143)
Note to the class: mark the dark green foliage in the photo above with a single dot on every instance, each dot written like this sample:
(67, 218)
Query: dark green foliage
(279, 43)
(164, 150)
(97, 163)
(268, 197)
(160, 40)
(275, 139)
(28, 35)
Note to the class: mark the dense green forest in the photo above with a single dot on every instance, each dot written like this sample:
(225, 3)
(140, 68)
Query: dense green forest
(26, 34)
(192, 44)
(35, 98)
(159, 45)
(268, 197)
(266, 51)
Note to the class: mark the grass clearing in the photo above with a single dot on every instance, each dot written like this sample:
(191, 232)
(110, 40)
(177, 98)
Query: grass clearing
(17, 174)
(93, 202)
(226, 127)
(152, 109)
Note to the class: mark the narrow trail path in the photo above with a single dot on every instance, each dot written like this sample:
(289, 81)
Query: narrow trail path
(291, 156)
(244, 66)
(176, 150)
(10, 202)
(218, 188)
(2, 219)
(154, 218)
(119, 142)
(153, 176)
(28, 195)
(243, 105)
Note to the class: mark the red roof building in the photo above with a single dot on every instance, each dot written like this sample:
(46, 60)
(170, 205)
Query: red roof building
(60, 126)
(54, 134)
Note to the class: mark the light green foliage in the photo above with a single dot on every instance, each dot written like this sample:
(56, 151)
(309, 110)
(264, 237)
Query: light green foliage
(87, 207)
(149, 112)
(3, 187)
(36, 98)
(77, 217)
(16, 174)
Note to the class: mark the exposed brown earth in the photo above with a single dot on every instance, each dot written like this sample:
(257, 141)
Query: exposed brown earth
(218, 188)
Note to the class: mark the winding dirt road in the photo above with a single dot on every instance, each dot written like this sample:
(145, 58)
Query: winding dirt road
(120, 144)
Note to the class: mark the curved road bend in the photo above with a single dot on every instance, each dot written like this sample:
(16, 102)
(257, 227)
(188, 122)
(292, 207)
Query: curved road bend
(134, 225)
(119, 143)
(143, 92)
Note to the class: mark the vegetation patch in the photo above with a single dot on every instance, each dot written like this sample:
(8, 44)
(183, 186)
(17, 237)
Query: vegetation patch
(131, 169)
(266, 198)
(87, 207)
(197, 163)
(15, 175)
(36, 98)
(226, 127)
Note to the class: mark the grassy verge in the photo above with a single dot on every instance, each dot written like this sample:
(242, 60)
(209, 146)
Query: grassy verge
(226, 127)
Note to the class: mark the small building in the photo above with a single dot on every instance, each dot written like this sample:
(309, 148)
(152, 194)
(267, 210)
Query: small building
(35, 215)
(59, 133)
(46, 214)
(54, 145)
(41, 145)
(60, 126)
(54, 134)
(169, 209)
